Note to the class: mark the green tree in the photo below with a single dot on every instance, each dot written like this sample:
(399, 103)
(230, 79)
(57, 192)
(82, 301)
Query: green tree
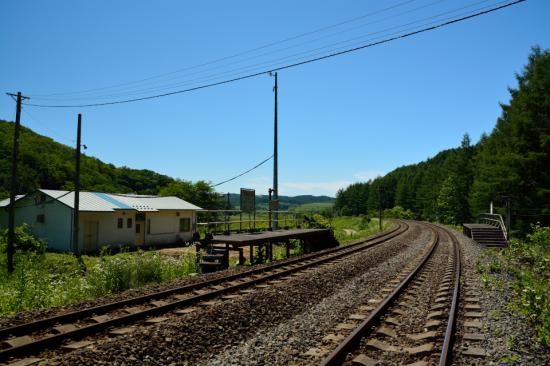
(513, 160)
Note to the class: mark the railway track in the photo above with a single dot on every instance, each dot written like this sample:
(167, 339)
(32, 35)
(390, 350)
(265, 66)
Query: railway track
(413, 322)
(36, 336)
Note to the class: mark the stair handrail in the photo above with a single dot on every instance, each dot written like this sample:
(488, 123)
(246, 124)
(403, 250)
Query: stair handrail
(495, 220)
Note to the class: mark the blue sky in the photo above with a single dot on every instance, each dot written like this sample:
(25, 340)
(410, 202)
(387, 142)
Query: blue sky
(341, 120)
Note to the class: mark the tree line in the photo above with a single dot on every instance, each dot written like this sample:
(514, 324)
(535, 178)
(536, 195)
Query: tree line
(44, 163)
(512, 162)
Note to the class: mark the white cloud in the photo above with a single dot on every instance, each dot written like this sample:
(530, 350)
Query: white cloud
(369, 174)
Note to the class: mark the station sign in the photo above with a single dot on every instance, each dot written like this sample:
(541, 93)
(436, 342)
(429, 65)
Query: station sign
(248, 200)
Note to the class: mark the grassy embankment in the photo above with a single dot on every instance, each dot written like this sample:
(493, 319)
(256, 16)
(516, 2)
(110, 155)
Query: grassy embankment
(44, 280)
(352, 228)
(527, 264)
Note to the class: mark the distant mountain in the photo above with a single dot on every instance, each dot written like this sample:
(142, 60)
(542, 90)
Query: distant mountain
(285, 202)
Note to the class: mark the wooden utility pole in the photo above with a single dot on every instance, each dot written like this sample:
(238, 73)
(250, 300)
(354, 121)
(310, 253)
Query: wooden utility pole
(508, 215)
(275, 159)
(76, 216)
(13, 186)
(380, 191)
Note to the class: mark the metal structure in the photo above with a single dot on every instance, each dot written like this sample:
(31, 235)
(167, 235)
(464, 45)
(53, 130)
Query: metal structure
(248, 279)
(494, 220)
(76, 208)
(275, 155)
(338, 356)
(290, 219)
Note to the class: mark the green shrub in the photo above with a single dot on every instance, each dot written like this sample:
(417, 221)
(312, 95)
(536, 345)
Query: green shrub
(24, 241)
(528, 261)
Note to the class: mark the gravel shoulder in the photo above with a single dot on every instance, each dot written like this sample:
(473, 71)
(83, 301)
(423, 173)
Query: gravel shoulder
(510, 339)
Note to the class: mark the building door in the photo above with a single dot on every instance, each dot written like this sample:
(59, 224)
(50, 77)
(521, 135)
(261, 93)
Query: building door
(139, 238)
(90, 235)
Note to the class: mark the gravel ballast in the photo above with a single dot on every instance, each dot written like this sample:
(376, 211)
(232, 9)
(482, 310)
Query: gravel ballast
(235, 324)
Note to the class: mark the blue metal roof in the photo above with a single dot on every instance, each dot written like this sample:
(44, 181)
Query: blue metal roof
(113, 201)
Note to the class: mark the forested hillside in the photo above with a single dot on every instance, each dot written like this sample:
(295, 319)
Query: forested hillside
(457, 184)
(44, 163)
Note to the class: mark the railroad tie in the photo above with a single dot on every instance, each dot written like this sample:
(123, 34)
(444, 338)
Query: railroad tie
(25, 362)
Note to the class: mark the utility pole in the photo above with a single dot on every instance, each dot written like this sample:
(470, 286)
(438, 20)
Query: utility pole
(380, 192)
(508, 215)
(275, 159)
(13, 187)
(76, 216)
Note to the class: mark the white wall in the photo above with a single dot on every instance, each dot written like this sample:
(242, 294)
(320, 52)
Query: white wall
(108, 232)
(165, 227)
(57, 227)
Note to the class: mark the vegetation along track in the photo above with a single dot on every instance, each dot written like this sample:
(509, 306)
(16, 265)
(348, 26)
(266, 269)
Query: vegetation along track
(35, 336)
(406, 326)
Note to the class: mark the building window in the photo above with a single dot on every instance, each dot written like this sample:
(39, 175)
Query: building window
(148, 226)
(41, 218)
(120, 223)
(138, 228)
(185, 224)
(129, 223)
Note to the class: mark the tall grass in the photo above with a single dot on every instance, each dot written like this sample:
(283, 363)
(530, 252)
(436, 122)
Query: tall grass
(352, 228)
(51, 279)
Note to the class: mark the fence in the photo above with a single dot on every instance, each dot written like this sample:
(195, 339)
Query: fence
(218, 221)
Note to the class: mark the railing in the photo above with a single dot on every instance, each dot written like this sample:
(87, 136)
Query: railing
(495, 220)
(260, 220)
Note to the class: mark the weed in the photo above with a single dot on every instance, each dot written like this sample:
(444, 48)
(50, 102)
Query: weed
(495, 314)
(511, 342)
(508, 360)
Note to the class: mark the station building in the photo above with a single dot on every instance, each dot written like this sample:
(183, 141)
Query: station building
(105, 219)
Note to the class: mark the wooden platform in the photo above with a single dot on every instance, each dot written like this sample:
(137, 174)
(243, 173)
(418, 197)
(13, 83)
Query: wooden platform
(244, 239)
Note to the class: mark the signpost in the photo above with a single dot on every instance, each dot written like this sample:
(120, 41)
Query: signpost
(248, 203)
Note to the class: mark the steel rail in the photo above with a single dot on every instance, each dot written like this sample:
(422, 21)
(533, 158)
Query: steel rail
(308, 261)
(79, 314)
(338, 355)
(445, 357)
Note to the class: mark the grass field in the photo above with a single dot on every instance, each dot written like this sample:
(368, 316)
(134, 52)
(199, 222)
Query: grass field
(53, 279)
(352, 228)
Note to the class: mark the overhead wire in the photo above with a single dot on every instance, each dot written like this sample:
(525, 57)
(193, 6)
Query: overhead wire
(145, 89)
(212, 77)
(287, 66)
(245, 52)
(54, 133)
(245, 172)
(243, 70)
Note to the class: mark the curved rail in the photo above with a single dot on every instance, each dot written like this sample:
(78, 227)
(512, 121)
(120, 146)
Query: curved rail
(300, 263)
(337, 356)
(446, 351)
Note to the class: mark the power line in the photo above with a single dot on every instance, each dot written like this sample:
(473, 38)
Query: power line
(288, 66)
(130, 92)
(322, 29)
(290, 58)
(54, 133)
(243, 173)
